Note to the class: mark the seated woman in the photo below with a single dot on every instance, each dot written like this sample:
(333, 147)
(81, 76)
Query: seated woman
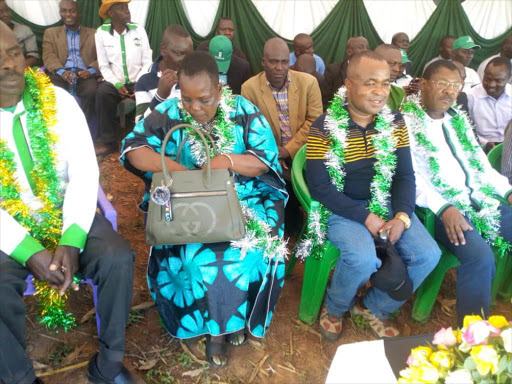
(221, 290)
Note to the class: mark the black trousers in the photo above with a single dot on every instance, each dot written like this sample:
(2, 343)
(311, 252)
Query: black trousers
(108, 261)
(86, 91)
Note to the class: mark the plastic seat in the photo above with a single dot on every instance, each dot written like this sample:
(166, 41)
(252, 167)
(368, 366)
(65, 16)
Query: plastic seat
(316, 272)
(494, 157)
(110, 214)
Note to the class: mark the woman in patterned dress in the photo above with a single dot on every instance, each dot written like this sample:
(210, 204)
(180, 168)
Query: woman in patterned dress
(210, 289)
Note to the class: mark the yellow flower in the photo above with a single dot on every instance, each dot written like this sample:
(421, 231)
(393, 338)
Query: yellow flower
(486, 359)
(442, 360)
(425, 373)
(458, 335)
(419, 355)
(469, 319)
(498, 321)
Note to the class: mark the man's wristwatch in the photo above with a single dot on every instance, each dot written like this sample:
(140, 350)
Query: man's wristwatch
(403, 217)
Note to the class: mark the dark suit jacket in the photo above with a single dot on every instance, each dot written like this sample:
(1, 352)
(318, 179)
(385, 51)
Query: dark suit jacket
(236, 51)
(334, 75)
(304, 104)
(55, 48)
(238, 73)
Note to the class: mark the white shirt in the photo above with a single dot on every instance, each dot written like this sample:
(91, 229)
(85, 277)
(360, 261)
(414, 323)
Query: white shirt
(489, 115)
(117, 65)
(403, 81)
(76, 166)
(471, 79)
(427, 194)
(483, 64)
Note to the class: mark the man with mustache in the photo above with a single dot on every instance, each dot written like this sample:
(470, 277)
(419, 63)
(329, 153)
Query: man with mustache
(456, 182)
(490, 103)
(352, 226)
(49, 235)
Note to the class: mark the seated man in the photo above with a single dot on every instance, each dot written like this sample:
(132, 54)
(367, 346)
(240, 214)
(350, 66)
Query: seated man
(72, 46)
(455, 181)
(233, 71)
(161, 81)
(123, 54)
(490, 103)
(56, 237)
(303, 44)
(26, 38)
(463, 50)
(445, 50)
(336, 73)
(401, 41)
(359, 214)
(393, 57)
(505, 52)
(225, 27)
(307, 64)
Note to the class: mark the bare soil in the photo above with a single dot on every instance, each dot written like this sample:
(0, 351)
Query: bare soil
(291, 352)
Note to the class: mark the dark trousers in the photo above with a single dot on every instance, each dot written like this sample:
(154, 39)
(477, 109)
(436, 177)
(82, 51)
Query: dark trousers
(475, 274)
(108, 261)
(85, 90)
(107, 99)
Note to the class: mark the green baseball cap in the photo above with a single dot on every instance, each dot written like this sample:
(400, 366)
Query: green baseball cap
(221, 49)
(464, 42)
(405, 59)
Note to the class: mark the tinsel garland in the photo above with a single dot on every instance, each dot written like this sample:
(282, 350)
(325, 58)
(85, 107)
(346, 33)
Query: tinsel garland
(487, 219)
(43, 222)
(223, 129)
(336, 123)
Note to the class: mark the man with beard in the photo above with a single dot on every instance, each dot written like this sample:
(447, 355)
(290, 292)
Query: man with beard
(342, 142)
(490, 103)
(48, 234)
(72, 46)
(123, 52)
(455, 181)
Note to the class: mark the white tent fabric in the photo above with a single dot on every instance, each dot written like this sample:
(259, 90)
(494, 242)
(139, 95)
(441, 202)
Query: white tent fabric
(489, 18)
(289, 17)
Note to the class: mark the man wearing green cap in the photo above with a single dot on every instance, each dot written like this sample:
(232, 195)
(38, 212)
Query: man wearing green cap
(233, 71)
(463, 50)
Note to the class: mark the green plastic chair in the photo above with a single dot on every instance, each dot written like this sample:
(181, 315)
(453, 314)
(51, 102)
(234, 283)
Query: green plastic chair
(494, 157)
(316, 272)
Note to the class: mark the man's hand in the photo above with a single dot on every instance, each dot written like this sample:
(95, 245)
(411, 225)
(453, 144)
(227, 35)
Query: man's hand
(65, 259)
(84, 74)
(490, 145)
(412, 88)
(283, 152)
(395, 228)
(374, 224)
(39, 266)
(123, 92)
(68, 76)
(455, 225)
(168, 79)
(509, 199)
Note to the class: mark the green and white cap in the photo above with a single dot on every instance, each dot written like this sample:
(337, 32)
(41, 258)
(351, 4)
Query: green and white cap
(221, 49)
(405, 59)
(464, 42)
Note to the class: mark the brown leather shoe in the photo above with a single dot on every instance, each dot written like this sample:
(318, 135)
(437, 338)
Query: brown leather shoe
(103, 149)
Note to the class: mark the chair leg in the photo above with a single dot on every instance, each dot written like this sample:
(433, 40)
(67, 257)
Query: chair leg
(293, 259)
(95, 299)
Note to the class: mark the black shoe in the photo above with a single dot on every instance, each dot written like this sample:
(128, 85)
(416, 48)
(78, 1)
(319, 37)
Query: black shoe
(124, 377)
(38, 381)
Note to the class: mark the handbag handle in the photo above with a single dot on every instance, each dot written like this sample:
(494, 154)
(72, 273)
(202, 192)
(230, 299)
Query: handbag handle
(214, 147)
(207, 173)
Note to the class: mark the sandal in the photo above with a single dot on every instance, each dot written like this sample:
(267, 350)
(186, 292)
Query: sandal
(330, 329)
(216, 349)
(237, 338)
(381, 327)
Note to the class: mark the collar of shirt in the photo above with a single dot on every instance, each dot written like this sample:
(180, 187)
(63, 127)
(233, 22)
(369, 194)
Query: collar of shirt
(480, 92)
(72, 30)
(283, 88)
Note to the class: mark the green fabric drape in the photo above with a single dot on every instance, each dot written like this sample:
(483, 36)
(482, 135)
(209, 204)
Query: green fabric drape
(449, 18)
(330, 39)
(89, 15)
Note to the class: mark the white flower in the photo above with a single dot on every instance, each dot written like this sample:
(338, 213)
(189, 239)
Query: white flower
(462, 376)
(506, 335)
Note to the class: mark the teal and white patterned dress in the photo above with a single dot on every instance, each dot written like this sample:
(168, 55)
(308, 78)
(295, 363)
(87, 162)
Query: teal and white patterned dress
(206, 288)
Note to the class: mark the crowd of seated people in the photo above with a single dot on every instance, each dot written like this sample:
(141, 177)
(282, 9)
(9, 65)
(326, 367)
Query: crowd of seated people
(345, 112)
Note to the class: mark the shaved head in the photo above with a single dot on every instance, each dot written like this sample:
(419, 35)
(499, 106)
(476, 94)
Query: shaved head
(275, 43)
(356, 44)
(305, 63)
(393, 57)
(276, 61)
(303, 43)
(355, 63)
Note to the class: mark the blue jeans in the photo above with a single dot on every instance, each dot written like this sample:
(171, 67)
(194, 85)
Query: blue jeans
(358, 261)
(475, 274)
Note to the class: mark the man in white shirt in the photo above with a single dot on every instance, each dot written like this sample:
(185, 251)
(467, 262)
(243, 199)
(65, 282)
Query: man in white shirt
(463, 50)
(490, 103)
(48, 220)
(445, 50)
(123, 55)
(455, 180)
(506, 52)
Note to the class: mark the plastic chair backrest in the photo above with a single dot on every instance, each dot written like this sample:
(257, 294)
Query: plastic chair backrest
(494, 157)
(299, 184)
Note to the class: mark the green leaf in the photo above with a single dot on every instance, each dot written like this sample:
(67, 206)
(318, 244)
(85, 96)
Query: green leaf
(469, 364)
(502, 365)
(476, 376)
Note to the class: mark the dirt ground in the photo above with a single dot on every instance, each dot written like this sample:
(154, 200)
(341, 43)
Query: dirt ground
(291, 352)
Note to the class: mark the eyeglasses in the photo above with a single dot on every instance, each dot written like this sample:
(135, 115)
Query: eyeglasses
(442, 85)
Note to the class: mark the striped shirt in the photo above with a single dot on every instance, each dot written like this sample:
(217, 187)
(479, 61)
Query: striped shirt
(281, 99)
(359, 172)
(74, 59)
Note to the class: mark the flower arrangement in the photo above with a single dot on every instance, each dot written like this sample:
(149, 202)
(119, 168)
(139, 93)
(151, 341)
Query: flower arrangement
(480, 352)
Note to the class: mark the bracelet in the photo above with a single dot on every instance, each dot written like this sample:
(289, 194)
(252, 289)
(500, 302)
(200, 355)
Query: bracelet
(230, 159)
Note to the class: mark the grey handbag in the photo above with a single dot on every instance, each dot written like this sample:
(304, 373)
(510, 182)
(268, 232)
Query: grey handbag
(197, 206)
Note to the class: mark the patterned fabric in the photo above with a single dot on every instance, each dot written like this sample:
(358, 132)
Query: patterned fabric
(281, 99)
(205, 288)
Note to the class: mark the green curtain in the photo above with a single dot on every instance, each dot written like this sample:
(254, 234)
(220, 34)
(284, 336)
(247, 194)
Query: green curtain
(330, 39)
(89, 13)
(449, 18)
